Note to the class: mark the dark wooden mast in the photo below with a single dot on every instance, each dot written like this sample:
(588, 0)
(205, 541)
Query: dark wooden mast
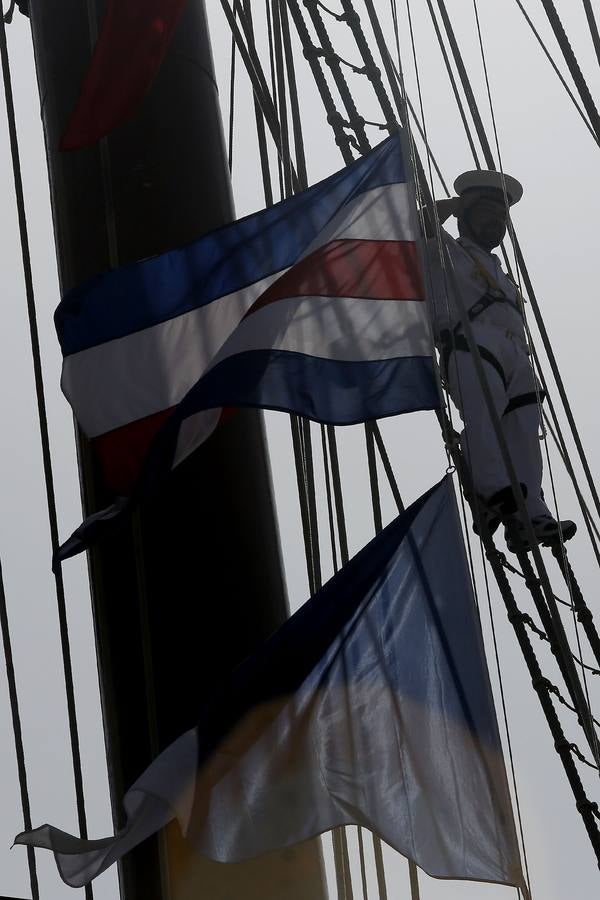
(195, 583)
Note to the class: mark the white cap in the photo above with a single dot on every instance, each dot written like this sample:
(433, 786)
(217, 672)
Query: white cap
(483, 178)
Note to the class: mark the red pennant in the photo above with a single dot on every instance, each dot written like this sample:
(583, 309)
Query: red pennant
(132, 45)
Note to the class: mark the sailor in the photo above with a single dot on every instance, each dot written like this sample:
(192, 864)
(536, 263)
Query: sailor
(494, 308)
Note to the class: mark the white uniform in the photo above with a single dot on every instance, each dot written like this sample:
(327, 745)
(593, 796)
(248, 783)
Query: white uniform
(500, 335)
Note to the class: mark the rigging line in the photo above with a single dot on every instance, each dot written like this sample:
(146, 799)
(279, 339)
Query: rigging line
(554, 628)
(564, 454)
(556, 691)
(255, 73)
(560, 743)
(559, 553)
(327, 473)
(592, 731)
(44, 437)
(274, 85)
(286, 159)
(505, 716)
(371, 70)
(18, 734)
(355, 120)
(340, 17)
(333, 117)
(556, 373)
(593, 26)
(455, 90)
(580, 607)
(260, 123)
(466, 85)
(573, 65)
(557, 70)
(561, 449)
(231, 100)
(513, 569)
(363, 867)
(373, 479)
(293, 92)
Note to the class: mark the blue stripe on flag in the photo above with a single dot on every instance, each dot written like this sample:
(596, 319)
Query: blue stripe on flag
(325, 390)
(146, 293)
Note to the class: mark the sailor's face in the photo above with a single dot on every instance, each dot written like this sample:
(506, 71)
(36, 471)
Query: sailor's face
(487, 221)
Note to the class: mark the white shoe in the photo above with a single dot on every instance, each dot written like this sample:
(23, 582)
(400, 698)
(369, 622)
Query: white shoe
(546, 529)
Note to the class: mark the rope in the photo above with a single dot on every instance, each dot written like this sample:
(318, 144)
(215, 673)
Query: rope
(455, 91)
(18, 734)
(363, 867)
(333, 116)
(293, 92)
(573, 65)
(231, 101)
(561, 745)
(332, 60)
(274, 85)
(255, 72)
(44, 437)
(260, 122)
(557, 70)
(580, 607)
(505, 718)
(466, 85)
(370, 69)
(589, 12)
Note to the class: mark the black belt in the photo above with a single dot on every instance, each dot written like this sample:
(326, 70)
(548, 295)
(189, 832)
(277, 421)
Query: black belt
(450, 341)
(486, 301)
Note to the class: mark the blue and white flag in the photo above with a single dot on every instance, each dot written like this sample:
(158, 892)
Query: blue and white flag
(314, 306)
(370, 706)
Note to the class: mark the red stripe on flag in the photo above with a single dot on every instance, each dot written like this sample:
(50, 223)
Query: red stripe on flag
(133, 42)
(378, 270)
(123, 450)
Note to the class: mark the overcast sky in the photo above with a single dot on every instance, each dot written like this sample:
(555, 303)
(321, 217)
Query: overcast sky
(545, 145)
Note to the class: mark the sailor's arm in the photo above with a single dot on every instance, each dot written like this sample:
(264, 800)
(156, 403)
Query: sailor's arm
(445, 209)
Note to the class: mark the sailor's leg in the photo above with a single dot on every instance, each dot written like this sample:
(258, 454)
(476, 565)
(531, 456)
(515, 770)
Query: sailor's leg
(479, 443)
(521, 425)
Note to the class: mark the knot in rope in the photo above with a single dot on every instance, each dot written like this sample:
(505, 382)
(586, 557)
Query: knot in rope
(540, 682)
(317, 4)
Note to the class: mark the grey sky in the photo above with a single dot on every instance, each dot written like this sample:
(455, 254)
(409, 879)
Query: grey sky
(544, 144)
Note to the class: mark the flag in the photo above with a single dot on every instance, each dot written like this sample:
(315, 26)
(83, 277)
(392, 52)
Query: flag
(313, 306)
(133, 41)
(370, 706)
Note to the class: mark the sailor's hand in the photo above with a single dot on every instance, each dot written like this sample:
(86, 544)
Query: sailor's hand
(446, 208)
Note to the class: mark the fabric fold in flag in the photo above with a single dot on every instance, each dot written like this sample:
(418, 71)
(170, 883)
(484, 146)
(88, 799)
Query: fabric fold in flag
(133, 41)
(314, 306)
(370, 706)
